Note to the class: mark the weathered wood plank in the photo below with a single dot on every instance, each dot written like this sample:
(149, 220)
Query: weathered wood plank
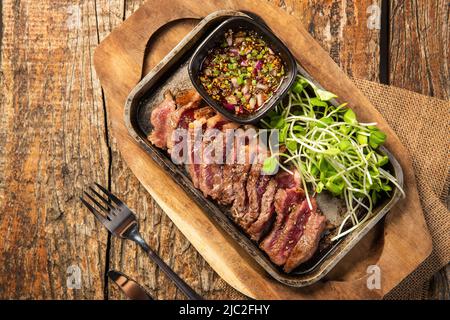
(52, 102)
(52, 144)
(342, 29)
(420, 61)
(420, 42)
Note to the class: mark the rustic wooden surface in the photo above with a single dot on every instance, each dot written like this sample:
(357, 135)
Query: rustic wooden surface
(52, 103)
(118, 62)
(420, 61)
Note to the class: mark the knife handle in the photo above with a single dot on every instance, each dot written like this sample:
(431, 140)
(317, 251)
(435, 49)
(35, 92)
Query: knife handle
(181, 285)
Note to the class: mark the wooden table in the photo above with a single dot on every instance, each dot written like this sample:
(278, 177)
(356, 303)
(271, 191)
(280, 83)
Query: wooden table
(55, 139)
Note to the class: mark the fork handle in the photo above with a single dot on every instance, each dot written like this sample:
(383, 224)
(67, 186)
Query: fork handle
(183, 286)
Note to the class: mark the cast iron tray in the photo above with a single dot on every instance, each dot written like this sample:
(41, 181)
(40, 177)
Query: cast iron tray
(171, 73)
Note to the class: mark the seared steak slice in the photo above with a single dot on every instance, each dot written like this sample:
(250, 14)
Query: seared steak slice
(187, 102)
(287, 180)
(204, 113)
(186, 96)
(246, 155)
(217, 121)
(279, 248)
(223, 177)
(194, 151)
(159, 119)
(240, 174)
(308, 243)
(180, 119)
(228, 195)
(211, 167)
(265, 218)
(201, 178)
(256, 186)
(285, 199)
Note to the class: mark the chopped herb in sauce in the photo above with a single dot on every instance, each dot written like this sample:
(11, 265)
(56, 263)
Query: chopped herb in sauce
(243, 72)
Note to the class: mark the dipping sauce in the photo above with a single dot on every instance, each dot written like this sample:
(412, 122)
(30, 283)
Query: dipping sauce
(243, 72)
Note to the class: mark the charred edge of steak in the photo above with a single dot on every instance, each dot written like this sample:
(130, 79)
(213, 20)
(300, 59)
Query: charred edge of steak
(230, 167)
(159, 120)
(210, 169)
(196, 128)
(281, 245)
(308, 243)
(255, 194)
(285, 201)
(266, 216)
(185, 96)
(180, 118)
(240, 174)
(294, 230)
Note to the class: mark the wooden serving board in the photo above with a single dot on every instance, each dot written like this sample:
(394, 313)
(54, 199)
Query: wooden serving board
(397, 247)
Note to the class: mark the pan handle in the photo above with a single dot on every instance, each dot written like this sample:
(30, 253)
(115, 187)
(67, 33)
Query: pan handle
(130, 40)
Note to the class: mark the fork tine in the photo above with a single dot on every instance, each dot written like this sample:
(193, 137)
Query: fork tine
(110, 195)
(97, 214)
(96, 202)
(105, 201)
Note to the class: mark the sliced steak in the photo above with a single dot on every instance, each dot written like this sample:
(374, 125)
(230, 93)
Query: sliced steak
(211, 166)
(285, 199)
(180, 119)
(287, 180)
(159, 119)
(256, 187)
(217, 121)
(267, 211)
(281, 201)
(187, 101)
(308, 243)
(195, 150)
(204, 112)
(279, 248)
(240, 175)
(185, 96)
(223, 173)
(228, 195)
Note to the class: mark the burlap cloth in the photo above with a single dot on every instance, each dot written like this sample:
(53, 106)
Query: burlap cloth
(422, 123)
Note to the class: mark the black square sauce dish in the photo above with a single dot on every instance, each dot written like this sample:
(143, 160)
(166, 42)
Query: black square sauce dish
(242, 69)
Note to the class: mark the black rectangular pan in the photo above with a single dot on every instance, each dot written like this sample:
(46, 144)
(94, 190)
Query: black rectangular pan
(171, 73)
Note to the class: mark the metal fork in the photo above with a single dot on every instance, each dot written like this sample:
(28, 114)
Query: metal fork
(122, 223)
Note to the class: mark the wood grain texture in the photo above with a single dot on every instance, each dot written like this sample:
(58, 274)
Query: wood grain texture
(420, 42)
(340, 27)
(420, 61)
(52, 143)
(55, 138)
